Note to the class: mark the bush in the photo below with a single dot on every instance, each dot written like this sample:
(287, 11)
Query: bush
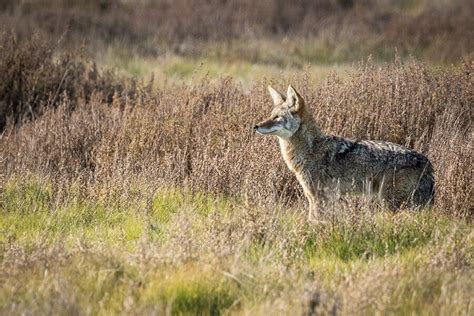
(33, 76)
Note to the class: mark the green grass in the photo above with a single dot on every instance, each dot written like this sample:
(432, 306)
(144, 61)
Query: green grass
(217, 62)
(387, 234)
(250, 62)
(185, 254)
(191, 290)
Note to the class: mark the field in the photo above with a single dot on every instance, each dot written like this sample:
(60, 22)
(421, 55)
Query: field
(131, 181)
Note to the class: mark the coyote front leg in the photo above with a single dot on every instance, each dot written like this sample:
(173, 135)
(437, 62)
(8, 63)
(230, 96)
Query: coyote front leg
(313, 208)
(317, 202)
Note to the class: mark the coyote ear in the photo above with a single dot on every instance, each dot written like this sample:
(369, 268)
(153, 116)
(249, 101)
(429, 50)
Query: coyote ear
(294, 99)
(276, 96)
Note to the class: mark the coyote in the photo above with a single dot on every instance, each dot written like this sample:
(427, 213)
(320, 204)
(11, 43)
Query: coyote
(329, 165)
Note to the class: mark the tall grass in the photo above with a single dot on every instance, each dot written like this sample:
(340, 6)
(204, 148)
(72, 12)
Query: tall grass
(117, 196)
(107, 138)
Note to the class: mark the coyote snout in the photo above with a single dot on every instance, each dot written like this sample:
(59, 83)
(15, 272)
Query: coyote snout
(326, 165)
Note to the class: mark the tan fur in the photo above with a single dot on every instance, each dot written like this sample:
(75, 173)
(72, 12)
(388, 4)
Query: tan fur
(327, 165)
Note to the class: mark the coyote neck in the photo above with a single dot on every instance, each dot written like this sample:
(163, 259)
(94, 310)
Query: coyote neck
(300, 149)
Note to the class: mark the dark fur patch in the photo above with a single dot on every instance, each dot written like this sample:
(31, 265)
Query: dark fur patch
(343, 147)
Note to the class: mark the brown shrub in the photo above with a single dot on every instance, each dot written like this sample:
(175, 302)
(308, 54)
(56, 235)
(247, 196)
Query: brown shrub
(33, 76)
(200, 135)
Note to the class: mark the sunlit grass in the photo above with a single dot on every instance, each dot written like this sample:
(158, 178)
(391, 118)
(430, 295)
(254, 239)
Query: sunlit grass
(90, 255)
(179, 68)
(383, 235)
(248, 62)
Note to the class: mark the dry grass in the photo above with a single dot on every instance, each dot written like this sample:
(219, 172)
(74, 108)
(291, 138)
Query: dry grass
(35, 77)
(120, 197)
(436, 30)
(102, 135)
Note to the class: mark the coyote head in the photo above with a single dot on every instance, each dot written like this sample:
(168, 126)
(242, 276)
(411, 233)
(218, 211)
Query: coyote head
(287, 114)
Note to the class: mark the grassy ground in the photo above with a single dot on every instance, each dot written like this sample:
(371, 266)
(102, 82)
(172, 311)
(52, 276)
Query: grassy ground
(250, 62)
(123, 196)
(244, 68)
(183, 253)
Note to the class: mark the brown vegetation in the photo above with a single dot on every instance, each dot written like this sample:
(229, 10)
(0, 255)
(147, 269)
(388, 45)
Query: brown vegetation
(33, 78)
(104, 137)
(124, 196)
(441, 31)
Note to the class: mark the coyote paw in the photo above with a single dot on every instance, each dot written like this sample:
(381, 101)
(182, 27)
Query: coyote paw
(316, 220)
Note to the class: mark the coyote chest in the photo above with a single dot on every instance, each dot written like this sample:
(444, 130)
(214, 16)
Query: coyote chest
(296, 160)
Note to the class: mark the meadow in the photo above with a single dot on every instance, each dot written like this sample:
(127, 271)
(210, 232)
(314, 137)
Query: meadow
(132, 182)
